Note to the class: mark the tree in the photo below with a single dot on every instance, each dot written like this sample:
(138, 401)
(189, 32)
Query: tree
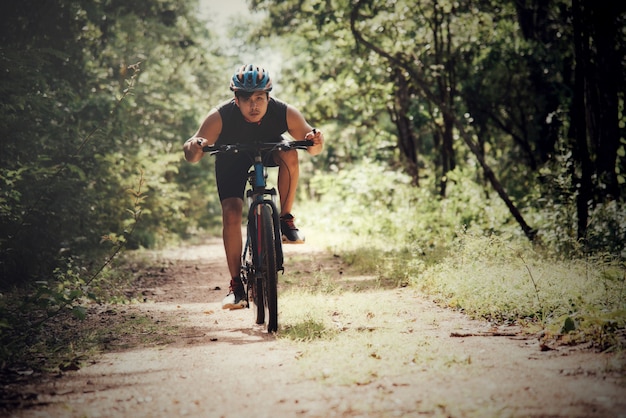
(95, 93)
(443, 97)
(598, 84)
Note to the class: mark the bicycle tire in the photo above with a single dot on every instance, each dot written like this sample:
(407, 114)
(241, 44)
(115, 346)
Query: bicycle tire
(269, 268)
(259, 301)
(254, 280)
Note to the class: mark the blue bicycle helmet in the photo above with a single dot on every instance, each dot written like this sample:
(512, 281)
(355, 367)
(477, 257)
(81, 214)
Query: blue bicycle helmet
(251, 78)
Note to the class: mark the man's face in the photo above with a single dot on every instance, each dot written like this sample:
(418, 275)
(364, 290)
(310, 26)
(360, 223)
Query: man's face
(254, 107)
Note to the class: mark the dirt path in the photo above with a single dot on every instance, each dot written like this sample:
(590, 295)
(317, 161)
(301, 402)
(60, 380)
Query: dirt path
(218, 364)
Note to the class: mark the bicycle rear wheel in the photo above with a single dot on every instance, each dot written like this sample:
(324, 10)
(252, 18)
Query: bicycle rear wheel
(267, 252)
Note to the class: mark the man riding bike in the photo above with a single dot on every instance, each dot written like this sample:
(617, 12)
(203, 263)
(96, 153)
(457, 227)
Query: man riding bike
(251, 116)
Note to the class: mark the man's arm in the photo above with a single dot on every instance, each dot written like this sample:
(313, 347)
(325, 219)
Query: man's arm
(300, 129)
(207, 134)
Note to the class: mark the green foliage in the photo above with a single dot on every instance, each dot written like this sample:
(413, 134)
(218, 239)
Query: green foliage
(382, 207)
(27, 314)
(551, 205)
(80, 123)
(607, 229)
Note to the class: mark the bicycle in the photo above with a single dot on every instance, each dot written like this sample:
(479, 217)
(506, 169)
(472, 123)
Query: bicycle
(262, 256)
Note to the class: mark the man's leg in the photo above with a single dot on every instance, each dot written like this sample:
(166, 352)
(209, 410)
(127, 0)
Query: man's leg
(231, 233)
(230, 176)
(288, 175)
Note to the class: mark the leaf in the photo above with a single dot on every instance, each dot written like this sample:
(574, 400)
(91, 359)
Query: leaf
(568, 325)
(68, 366)
(79, 312)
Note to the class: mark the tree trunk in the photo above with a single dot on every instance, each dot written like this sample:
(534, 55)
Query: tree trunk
(448, 161)
(406, 139)
(579, 119)
(603, 78)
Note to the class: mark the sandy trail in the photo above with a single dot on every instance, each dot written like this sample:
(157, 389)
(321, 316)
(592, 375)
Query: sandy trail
(219, 364)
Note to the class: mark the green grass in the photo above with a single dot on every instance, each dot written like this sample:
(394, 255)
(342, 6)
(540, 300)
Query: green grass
(576, 300)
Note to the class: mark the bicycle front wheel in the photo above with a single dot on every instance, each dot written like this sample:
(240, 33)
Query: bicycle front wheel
(267, 257)
(254, 279)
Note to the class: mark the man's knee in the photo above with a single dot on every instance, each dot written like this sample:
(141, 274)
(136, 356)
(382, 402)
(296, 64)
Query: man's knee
(231, 211)
(287, 158)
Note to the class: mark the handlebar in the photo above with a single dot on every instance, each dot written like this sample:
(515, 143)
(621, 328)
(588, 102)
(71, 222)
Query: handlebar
(267, 146)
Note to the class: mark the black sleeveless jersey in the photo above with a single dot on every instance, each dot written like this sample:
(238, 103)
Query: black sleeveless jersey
(235, 129)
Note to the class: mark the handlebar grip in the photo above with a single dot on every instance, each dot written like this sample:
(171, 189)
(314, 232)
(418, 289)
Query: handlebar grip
(295, 145)
(304, 143)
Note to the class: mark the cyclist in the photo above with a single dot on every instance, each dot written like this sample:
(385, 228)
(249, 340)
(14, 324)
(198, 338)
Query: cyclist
(251, 115)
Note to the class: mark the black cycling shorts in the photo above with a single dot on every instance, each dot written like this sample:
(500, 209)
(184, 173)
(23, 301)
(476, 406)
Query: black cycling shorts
(231, 172)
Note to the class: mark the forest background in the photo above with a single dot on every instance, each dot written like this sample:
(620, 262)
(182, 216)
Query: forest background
(475, 149)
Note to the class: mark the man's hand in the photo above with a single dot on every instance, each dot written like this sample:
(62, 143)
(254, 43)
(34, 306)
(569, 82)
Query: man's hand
(318, 141)
(193, 148)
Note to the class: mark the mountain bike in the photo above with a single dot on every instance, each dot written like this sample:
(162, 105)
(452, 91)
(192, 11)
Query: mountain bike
(262, 256)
